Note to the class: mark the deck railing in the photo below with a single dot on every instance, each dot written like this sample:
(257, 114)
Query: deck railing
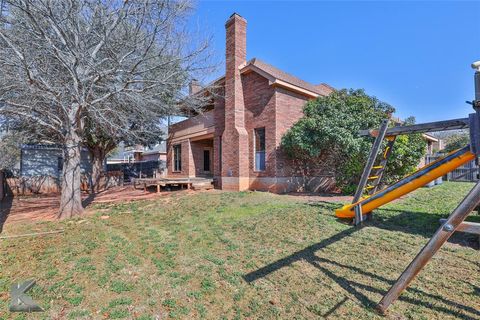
(195, 125)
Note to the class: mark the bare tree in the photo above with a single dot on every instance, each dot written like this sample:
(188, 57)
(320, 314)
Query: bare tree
(131, 128)
(65, 64)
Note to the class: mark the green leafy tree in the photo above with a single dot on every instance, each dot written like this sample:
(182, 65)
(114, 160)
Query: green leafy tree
(408, 150)
(326, 138)
(456, 141)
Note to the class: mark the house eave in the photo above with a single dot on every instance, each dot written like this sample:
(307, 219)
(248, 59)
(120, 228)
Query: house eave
(429, 137)
(288, 86)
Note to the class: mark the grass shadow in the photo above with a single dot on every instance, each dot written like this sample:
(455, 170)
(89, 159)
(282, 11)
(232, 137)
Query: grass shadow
(353, 286)
(412, 222)
(408, 221)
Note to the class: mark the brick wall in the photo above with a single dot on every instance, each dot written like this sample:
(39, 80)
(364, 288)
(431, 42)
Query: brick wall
(198, 147)
(188, 167)
(259, 99)
(289, 110)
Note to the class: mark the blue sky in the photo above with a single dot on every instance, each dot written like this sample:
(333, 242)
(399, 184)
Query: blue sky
(413, 55)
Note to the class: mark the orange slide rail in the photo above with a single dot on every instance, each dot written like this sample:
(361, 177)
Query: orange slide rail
(412, 182)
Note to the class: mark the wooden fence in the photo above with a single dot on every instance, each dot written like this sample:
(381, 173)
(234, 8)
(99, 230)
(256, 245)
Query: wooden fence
(468, 172)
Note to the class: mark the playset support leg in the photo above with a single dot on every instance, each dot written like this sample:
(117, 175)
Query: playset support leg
(469, 203)
(358, 215)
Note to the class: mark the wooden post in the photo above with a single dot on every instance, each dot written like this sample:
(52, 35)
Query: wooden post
(468, 204)
(370, 161)
(358, 215)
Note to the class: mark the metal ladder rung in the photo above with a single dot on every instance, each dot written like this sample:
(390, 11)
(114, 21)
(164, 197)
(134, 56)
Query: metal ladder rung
(372, 177)
(385, 153)
(369, 187)
(378, 167)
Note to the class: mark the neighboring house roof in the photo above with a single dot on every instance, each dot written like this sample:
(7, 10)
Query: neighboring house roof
(282, 78)
(153, 152)
(43, 146)
(123, 151)
(159, 148)
(429, 137)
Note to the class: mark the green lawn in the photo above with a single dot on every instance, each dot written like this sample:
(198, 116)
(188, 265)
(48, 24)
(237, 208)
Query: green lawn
(243, 255)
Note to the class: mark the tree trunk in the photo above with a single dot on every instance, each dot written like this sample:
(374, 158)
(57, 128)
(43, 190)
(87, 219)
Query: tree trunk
(71, 197)
(98, 158)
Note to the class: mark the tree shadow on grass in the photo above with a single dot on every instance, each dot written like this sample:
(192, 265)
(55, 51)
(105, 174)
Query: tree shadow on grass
(5, 208)
(353, 288)
(404, 222)
(5, 205)
(89, 199)
(421, 223)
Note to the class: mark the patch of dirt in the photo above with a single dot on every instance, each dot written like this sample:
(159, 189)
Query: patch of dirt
(45, 207)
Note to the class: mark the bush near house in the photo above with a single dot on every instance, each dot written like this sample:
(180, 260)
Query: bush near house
(327, 136)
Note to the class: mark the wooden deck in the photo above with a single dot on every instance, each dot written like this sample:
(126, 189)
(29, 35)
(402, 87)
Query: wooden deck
(188, 183)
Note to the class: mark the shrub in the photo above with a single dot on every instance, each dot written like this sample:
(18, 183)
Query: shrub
(327, 137)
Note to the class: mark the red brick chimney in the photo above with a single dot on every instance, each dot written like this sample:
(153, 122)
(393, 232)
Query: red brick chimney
(235, 169)
(194, 86)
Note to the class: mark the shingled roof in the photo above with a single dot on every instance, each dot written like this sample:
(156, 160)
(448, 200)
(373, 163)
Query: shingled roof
(277, 74)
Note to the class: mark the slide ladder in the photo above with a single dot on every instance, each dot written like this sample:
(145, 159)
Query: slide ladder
(367, 170)
(373, 173)
(377, 170)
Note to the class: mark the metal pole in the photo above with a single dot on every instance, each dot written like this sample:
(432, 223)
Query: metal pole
(477, 86)
(469, 203)
(476, 66)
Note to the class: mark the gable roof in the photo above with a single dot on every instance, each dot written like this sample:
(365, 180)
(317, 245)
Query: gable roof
(277, 77)
(282, 78)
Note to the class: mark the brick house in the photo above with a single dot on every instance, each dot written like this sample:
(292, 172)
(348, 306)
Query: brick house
(236, 139)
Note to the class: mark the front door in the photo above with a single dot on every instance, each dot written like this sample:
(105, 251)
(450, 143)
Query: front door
(206, 160)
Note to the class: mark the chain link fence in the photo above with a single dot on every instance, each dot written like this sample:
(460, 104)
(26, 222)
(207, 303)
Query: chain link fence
(141, 169)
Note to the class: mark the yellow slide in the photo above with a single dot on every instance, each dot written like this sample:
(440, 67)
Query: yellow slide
(412, 182)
